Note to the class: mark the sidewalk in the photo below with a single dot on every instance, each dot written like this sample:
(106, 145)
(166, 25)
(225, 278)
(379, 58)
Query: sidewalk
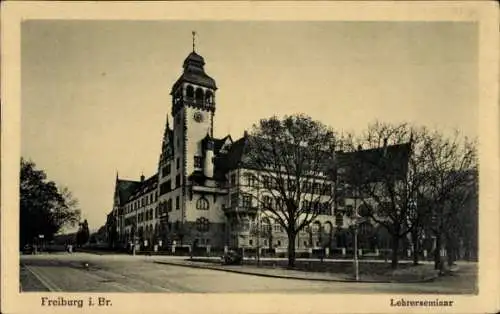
(282, 273)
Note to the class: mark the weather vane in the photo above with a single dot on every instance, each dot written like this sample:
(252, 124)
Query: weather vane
(194, 34)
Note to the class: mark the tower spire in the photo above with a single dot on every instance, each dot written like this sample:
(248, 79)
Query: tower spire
(194, 34)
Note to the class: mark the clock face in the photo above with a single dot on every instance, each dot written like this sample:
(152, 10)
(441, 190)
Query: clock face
(198, 117)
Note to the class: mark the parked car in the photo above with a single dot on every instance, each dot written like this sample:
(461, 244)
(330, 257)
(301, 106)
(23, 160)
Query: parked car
(232, 258)
(27, 249)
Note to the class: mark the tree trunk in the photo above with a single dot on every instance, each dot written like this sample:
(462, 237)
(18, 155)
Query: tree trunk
(291, 250)
(395, 251)
(416, 247)
(450, 251)
(437, 252)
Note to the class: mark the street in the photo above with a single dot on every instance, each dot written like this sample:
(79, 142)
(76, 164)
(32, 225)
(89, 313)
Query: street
(83, 272)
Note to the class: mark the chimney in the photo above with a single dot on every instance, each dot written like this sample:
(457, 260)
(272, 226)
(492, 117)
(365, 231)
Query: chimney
(360, 147)
(142, 177)
(245, 133)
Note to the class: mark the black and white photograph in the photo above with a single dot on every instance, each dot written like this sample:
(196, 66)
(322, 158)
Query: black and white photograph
(250, 157)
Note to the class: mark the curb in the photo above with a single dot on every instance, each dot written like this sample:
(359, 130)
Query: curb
(430, 279)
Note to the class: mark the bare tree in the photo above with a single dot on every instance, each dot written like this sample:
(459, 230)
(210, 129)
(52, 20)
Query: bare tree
(293, 161)
(384, 170)
(450, 161)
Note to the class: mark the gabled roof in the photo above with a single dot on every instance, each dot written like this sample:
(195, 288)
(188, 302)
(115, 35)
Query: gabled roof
(232, 159)
(125, 189)
(129, 189)
(372, 165)
(145, 186)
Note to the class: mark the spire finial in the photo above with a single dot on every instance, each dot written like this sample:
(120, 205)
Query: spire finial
(194, 34)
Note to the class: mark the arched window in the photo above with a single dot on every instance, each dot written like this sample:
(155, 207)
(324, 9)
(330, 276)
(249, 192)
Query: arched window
(202, 203)
(316, 227)
(328, 227)
(189, 91)
(199, 95)
(209, 97)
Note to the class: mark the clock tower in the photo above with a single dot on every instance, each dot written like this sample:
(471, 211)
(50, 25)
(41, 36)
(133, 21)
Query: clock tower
(193, 108)
(185, 146)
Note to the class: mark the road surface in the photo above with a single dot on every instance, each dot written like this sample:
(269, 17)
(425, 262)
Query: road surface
(82, 272)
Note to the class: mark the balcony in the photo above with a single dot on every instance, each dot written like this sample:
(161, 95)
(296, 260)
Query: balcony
(240, 210)
(209, 189)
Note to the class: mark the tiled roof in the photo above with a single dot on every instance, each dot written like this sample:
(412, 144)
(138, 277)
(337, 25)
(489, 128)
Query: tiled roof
(144, 187)
(125, 189)
(128, 189)
(394, 158)
(373, 164)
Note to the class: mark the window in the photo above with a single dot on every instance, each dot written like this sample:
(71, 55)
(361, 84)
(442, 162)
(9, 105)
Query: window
(177, 180)
(341, 202)
(245, 224)
(165, 171)
(349, 210)
(250, 242)
(247, 201)
(233, 179)
(292, 185)
(165, 187)
(234, 199)
(197, 161)
(348, 190)
(327, 189)
(279, 243)
(316, 227)
(266, 181)
(169, 205)
(316, 188)
(177, 203)
(306, 187)
(325, 209)
(268, 201)
(277, 227)
(251, 180)
(202, 203)
(339, 219)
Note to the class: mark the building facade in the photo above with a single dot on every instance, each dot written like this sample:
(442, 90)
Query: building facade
(203, 195)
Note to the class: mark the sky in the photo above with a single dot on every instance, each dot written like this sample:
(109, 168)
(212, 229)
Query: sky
(95, 94)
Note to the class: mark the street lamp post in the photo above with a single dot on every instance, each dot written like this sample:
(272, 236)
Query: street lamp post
(258, 236)
(356, 260)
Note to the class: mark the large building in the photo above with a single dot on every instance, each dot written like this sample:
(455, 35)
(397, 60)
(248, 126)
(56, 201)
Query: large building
(203, 194)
